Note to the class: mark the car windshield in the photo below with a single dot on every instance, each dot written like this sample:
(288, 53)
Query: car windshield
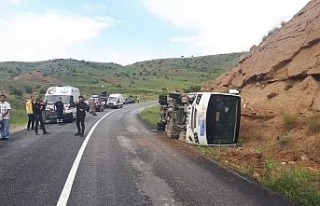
(54, 98)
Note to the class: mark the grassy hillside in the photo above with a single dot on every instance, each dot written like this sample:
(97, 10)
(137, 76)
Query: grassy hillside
(146, 78)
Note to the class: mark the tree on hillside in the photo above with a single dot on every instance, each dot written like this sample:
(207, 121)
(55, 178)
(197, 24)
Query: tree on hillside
(42, 91)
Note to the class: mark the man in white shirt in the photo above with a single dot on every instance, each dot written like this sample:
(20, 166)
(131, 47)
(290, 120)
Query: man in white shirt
(5, 113)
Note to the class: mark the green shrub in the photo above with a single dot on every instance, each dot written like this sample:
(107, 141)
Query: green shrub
(268, 168)
(193, 88)
(15, 91)
(42, 91)
(28, 89)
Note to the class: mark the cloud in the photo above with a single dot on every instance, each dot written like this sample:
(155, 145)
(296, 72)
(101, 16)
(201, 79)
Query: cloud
(183, 39)
(11, 1)
(32, 37)
(94, 7)
(223, 26)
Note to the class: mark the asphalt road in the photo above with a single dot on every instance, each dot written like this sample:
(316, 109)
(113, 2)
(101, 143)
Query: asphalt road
(124, 162)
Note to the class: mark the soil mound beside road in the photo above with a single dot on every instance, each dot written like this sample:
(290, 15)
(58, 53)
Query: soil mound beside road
(283, 72)
(279, 82)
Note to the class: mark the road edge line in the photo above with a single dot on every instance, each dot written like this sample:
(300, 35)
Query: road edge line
(64, 196)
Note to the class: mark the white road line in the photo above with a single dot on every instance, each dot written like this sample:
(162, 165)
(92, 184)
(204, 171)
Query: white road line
(64, 196)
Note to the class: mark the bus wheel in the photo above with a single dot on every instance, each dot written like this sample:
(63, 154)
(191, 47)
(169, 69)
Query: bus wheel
(171, 131)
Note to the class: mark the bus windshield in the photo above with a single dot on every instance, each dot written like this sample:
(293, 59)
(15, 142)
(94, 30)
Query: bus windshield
(54, 98)
(222, 119)
(113, 99)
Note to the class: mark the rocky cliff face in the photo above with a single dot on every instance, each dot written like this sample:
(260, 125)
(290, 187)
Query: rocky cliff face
(283, 72)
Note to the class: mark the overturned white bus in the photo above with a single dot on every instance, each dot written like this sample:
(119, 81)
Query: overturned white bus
(205, 118)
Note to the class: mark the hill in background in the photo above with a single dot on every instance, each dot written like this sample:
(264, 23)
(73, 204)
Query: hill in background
(146, 78)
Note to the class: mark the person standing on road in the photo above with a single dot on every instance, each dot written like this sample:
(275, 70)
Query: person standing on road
(38, 108)
(92, 106)
(29, 105)
(59, 109)
(5, 114)
(82, 108)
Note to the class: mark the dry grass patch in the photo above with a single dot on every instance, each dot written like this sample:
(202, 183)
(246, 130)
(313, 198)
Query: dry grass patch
(285, 142)
(289, 121)
(313, 151)
(314, 124)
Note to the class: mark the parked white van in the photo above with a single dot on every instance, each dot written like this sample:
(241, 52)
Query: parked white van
(68, 95)
(115, 101)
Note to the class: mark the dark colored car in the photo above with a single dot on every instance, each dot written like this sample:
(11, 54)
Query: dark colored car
(129, 100)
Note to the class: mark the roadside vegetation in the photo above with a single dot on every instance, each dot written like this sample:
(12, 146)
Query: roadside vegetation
(150, 115)
(18, 114)
(273, 163)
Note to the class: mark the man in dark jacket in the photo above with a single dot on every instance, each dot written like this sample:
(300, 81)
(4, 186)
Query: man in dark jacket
(38, 107)
(59, 109)
(82, 108)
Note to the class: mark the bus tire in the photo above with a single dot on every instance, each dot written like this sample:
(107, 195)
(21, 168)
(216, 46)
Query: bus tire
(175, 95)
(163, 102)
(163, 97)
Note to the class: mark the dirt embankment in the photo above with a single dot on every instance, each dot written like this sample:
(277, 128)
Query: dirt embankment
(279, 82)
(38, 76)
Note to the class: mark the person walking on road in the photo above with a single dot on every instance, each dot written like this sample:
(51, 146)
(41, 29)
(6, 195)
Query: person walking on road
(92, 106)
(82, 108)
(59, 109)
(38, 108)
(5, 116)
(29, 105)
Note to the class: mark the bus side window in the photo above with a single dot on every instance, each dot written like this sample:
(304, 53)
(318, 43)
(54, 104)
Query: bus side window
(191, 119)
(195, 119)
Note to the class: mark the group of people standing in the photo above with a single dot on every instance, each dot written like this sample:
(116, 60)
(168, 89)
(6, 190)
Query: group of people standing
(35, 109)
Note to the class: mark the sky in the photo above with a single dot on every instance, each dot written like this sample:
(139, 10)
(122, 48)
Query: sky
(127, 31)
